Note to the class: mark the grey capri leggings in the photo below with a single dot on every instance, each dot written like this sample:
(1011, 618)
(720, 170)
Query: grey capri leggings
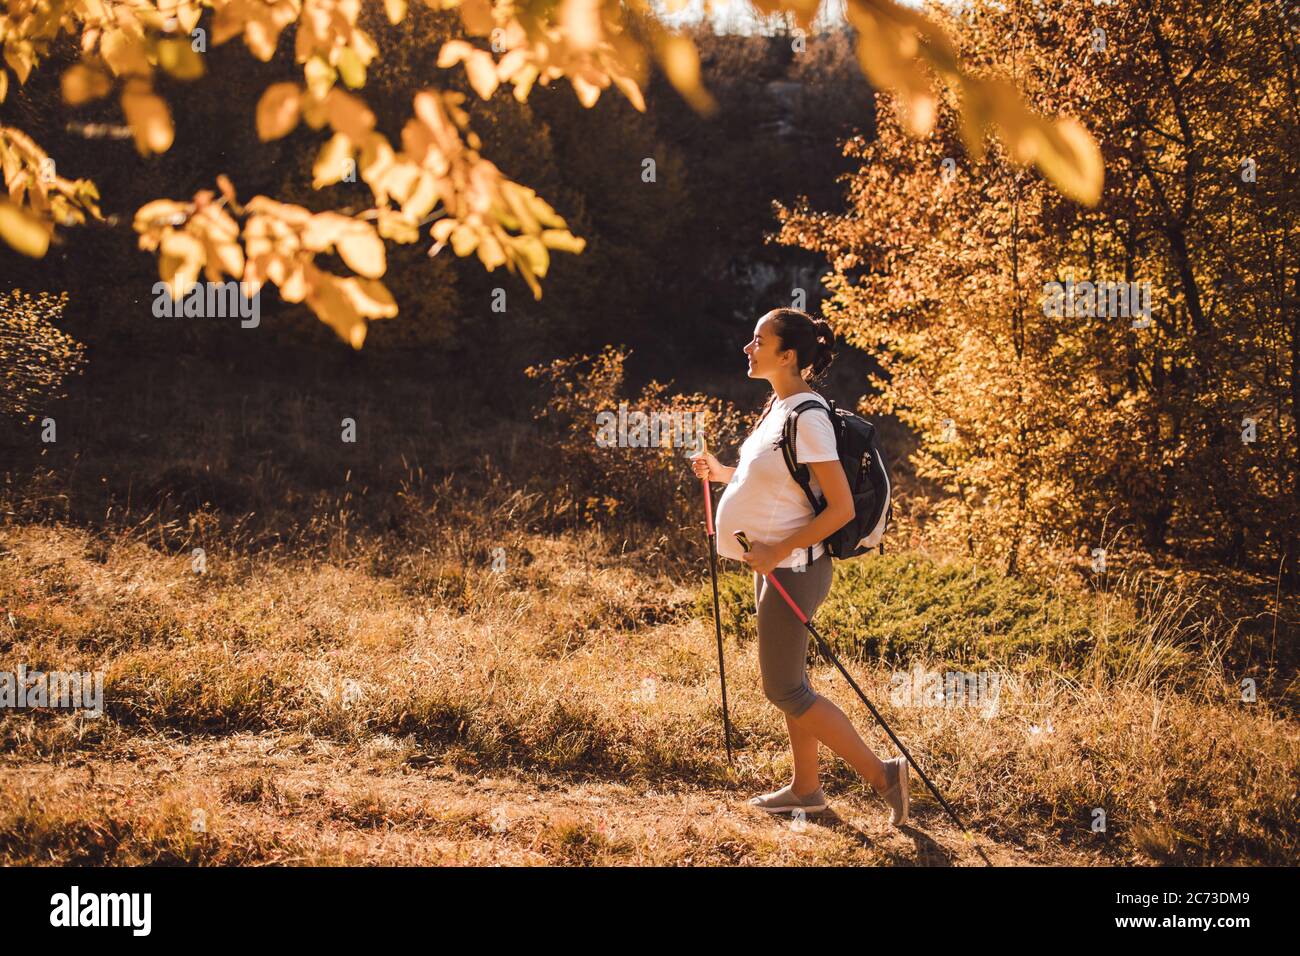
(782, 638)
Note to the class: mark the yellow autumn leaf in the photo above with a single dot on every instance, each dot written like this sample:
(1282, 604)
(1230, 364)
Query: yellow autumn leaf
(189, 15)
(580, 21)
(877, 49)
(321, 231)
(393, 225)
(223, 253)
(588, 92)
(974, 119)
(278, 110)
(180, 274)
(563, 240)
(124, 52)
(368, 297)
(23, 231)
(482, 72)
(520, 205)
(182, 246)
(681, 62)
(81, 84)
(332, 161)
(277, 268)
(362, 249)
(327, 300)
(490, 252)
(179, 59)
(348, 114)
(512, 62)
(400, 180)
(477, 16)
(443, 228)
(533, 284)
(523, 80)
(149, 119)
(21, 58)
(396, 10)
(314, 111)
(452, 52)
(319, 76)
(463, 240)
(160, 212)
(534, 254)
(1071, 159)
(364, 47)
(422, 199)
(543, 210)
(351, 68)
(633, 92)
(293, 285)
(261, 36)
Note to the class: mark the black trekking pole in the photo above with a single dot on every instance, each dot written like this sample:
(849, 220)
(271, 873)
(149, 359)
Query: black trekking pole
(712, 535)
(825, 649)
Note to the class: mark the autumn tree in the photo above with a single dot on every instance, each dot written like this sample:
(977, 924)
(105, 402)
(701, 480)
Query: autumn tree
(1050, 423)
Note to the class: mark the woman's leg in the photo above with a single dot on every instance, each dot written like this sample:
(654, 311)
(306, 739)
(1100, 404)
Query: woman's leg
(803, 745)
(810, 717)
(825, 722)
(782, 655)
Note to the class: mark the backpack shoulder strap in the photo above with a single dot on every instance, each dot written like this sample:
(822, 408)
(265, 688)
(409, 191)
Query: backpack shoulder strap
(789, 435)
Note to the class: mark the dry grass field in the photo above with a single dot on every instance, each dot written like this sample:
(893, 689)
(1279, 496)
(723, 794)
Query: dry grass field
(359, 676)
(561, 712)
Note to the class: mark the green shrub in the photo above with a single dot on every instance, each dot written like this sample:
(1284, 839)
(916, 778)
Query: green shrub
(900, 607)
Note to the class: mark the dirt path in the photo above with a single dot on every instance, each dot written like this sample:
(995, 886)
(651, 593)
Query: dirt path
(295, 799)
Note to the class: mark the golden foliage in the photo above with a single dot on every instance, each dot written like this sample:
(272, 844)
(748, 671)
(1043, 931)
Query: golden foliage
(438, 169)
(1063, 426)
(37, 197)
(650, 483)
(279, 245)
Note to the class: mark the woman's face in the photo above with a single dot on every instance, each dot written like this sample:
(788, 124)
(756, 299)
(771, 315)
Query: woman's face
(764, 350)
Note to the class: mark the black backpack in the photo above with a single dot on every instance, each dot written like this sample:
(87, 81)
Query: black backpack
(864, 464)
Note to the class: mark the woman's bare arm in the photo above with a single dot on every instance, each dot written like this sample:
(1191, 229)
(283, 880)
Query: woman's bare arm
(705, 464)
(837, 513)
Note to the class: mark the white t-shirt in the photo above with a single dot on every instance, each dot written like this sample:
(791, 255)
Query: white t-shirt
(763, 500)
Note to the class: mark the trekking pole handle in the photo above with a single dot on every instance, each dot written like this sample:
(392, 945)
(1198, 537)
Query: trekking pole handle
(771, 579)
(708, 494)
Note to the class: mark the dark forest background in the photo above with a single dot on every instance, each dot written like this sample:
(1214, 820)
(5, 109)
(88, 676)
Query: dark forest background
(677, 270)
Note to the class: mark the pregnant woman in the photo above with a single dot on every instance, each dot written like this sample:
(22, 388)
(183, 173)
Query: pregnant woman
(790, 348)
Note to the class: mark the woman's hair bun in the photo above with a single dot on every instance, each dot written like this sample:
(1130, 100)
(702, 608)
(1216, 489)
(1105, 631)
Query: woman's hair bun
(812, 339)
(825, 345)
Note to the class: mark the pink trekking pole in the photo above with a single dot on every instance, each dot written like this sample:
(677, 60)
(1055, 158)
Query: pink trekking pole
(712, 535)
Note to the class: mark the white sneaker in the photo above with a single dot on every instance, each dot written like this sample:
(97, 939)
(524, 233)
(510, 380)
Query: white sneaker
(785, 801)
